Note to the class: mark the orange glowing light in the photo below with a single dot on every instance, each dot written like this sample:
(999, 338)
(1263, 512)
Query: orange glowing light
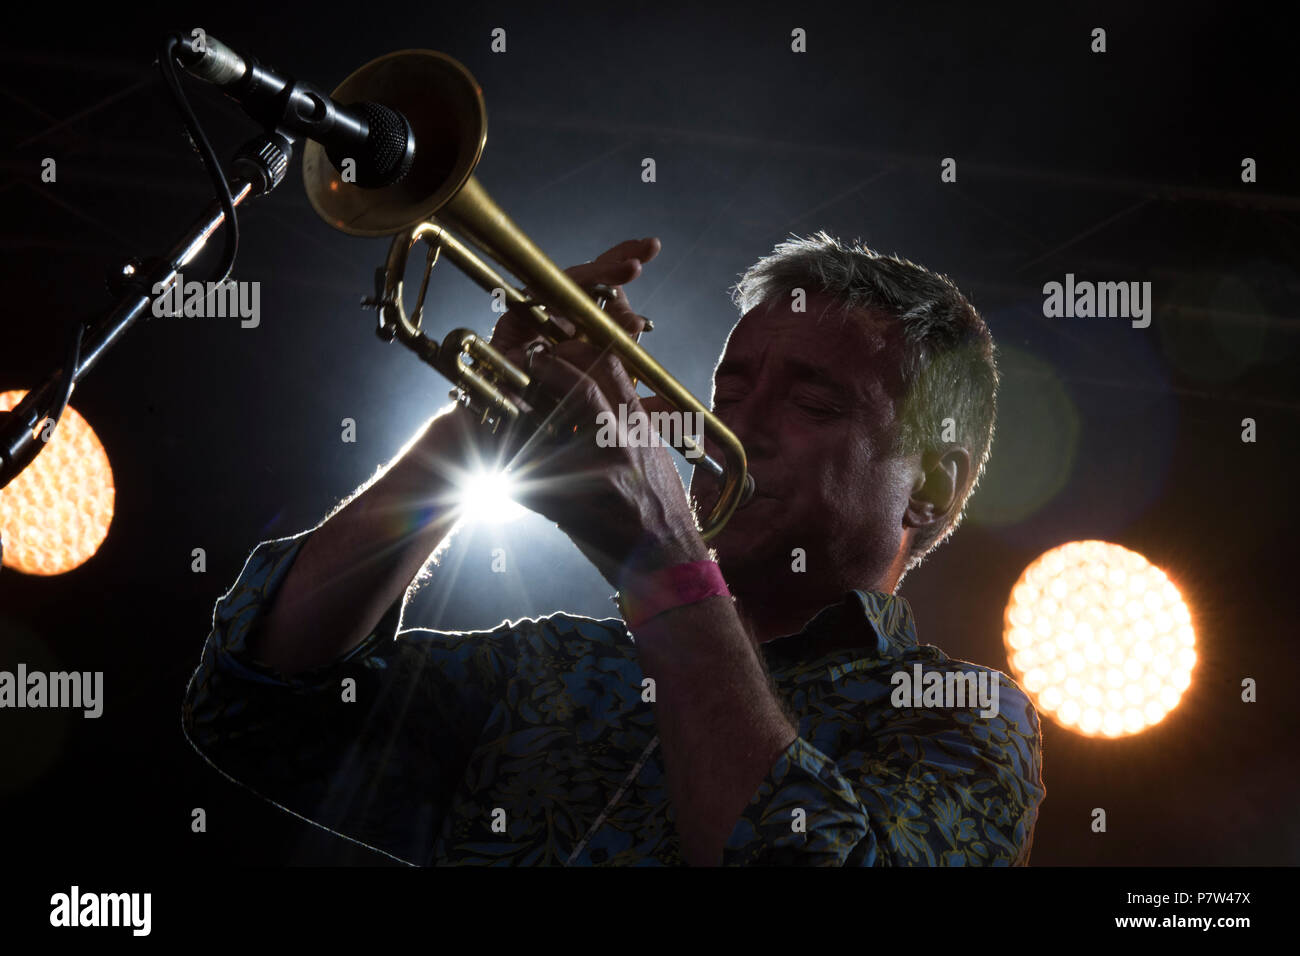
(1100, 638)
(56, 513)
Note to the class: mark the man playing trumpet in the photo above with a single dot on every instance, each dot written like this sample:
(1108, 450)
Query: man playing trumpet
(742, 710)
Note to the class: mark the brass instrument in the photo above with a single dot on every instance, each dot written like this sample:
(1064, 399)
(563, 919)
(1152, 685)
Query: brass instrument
(445, 108)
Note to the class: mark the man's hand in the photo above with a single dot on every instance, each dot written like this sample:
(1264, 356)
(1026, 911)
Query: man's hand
(614, 267)
(625, 508)
(516, 332)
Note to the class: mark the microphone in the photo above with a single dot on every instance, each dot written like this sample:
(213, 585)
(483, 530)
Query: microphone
(377, 138)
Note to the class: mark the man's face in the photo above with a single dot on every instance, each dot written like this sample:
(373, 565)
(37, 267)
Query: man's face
(811, 396)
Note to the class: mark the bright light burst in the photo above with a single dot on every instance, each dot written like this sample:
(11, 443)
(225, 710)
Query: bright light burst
(486, 497)
(1100, 638)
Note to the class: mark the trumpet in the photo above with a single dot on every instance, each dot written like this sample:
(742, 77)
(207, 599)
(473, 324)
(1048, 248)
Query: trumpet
(445, 107)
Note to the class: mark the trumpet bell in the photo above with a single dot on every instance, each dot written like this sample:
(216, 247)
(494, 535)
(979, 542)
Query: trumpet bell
(444, 105)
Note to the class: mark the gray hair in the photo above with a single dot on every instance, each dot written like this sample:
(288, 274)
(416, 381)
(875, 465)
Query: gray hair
(949, 365)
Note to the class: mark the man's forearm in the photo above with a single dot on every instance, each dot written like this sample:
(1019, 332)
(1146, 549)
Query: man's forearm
(363, 558)
(720, 726)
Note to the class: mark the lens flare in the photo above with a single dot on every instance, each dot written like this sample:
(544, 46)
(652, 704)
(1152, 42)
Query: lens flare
(1100, 638)
(486, 497)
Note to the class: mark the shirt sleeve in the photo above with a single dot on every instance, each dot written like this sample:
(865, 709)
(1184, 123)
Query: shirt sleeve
(917, 787)
(375, 760)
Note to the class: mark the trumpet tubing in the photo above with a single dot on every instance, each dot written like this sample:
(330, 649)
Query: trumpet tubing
(440, 198)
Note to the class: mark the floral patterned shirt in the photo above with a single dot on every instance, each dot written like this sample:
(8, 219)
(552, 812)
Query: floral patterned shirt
(532, 743)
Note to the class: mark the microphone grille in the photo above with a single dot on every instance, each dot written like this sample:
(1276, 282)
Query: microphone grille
(389, 145)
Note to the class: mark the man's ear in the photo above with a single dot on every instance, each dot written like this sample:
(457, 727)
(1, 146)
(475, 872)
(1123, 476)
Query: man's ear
(939, 479)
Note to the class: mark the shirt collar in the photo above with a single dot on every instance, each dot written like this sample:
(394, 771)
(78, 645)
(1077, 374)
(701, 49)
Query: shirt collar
(878, 624)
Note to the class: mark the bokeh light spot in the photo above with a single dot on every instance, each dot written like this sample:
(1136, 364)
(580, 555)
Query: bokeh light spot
(56, 513)
(1113, 664)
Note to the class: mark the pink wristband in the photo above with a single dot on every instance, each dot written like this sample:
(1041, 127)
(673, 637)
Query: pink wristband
(649, 595)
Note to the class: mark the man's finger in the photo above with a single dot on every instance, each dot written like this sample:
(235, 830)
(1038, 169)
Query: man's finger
(586, 276)
(603, 366)
(610, 273)
(618, 265)
(614, 267)
(642, 249)
(577, 396)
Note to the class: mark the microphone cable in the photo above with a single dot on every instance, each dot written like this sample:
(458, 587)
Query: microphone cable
(220, 185)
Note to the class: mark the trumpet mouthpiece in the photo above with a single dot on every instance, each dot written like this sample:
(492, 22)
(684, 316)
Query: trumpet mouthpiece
(747, 495)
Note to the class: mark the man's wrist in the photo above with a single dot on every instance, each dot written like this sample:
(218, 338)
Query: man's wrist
(665, 552)
(643, 597)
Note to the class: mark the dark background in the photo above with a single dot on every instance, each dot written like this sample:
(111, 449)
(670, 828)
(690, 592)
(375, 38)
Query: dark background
(1122, 166)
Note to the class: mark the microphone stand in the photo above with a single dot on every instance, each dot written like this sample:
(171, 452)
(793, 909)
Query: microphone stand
(260, 166)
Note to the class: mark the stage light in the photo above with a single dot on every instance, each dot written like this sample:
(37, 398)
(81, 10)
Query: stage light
(486, 498)
(56, 513)
(1100, 638)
